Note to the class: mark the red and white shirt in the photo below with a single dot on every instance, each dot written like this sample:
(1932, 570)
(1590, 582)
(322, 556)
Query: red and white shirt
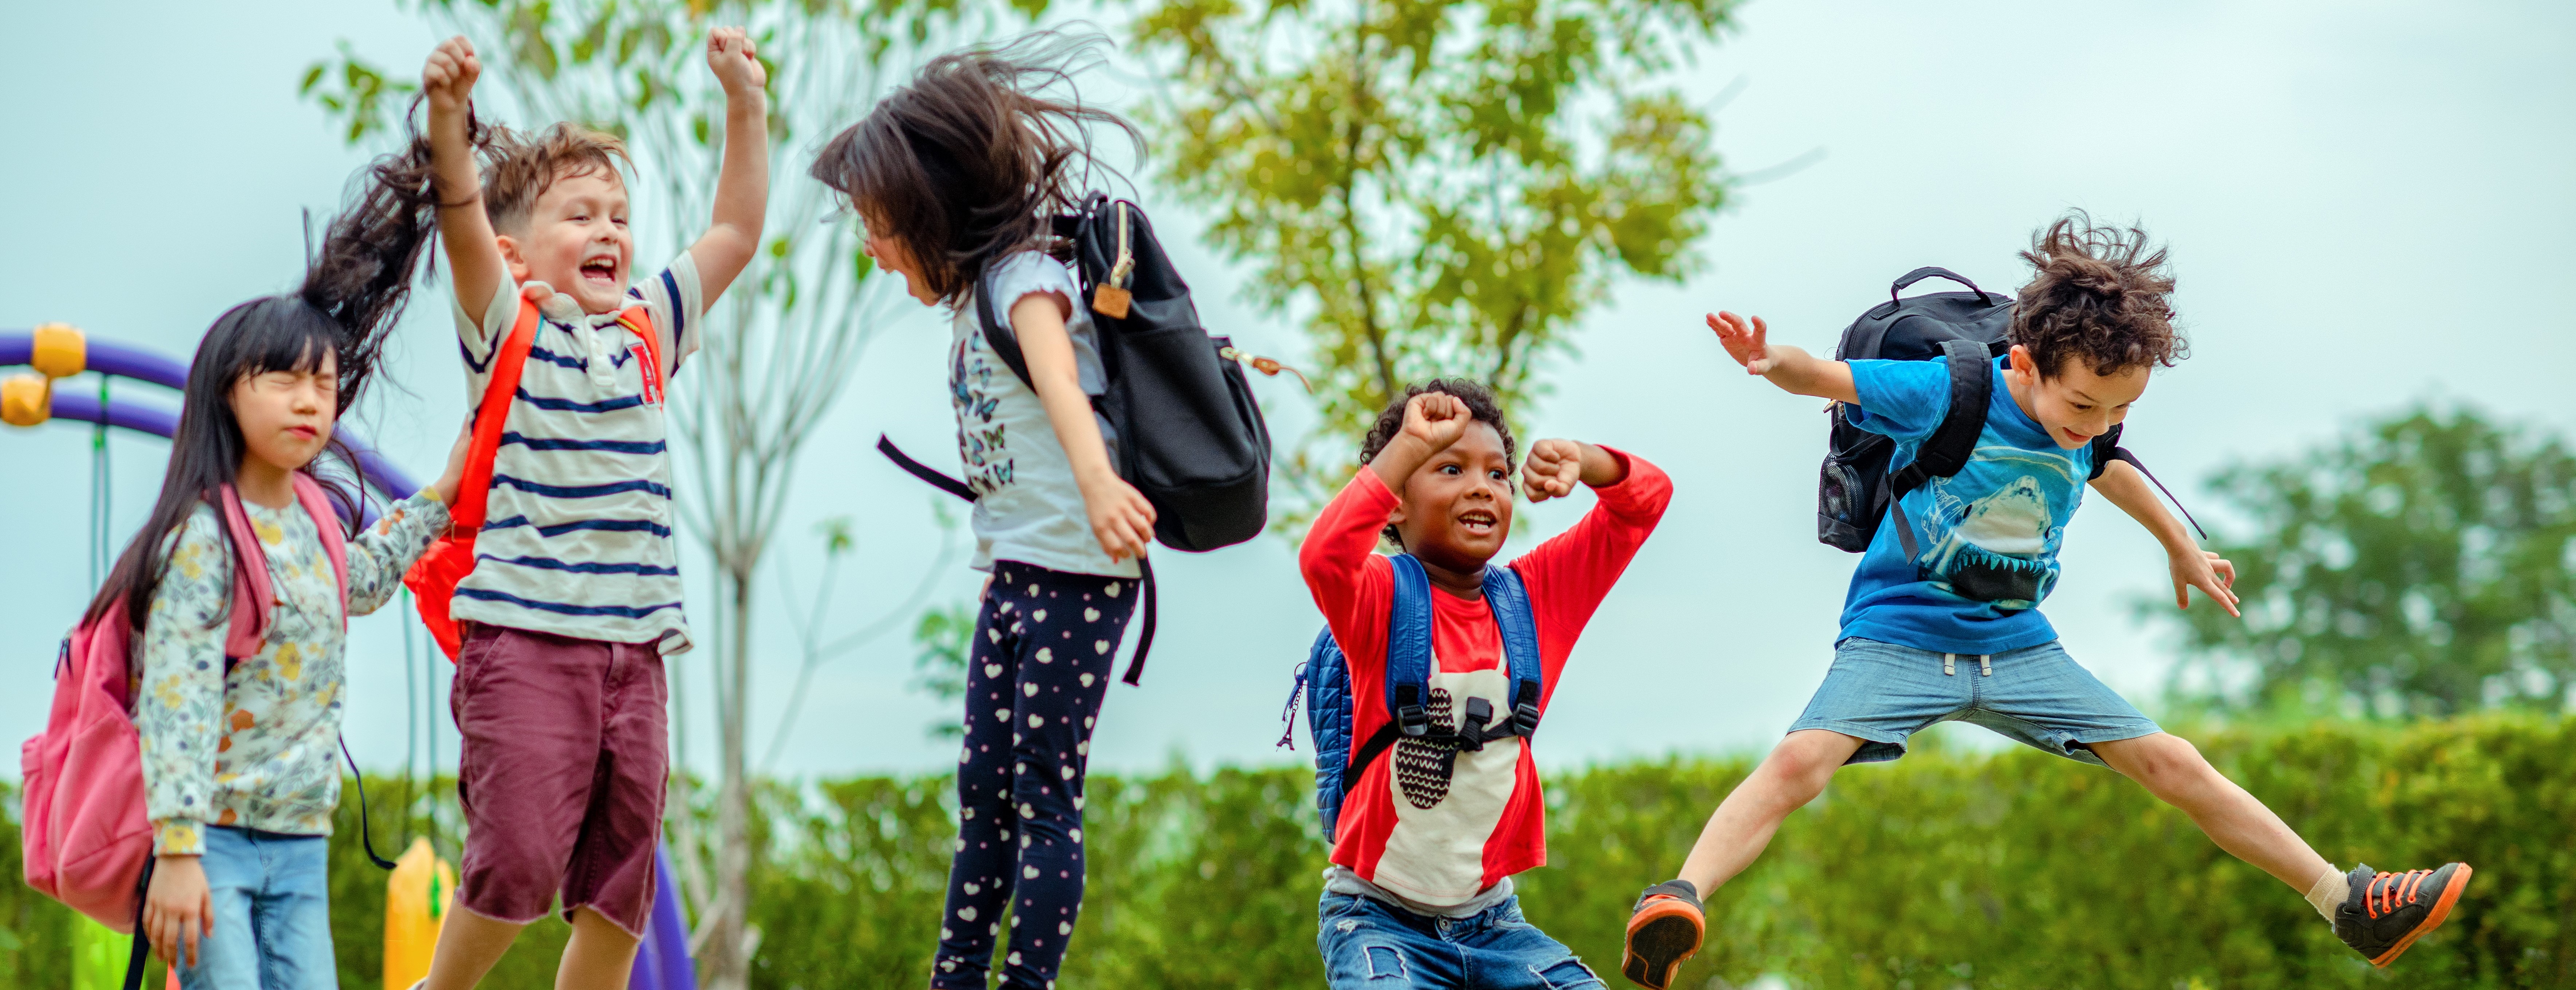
(1440, 839)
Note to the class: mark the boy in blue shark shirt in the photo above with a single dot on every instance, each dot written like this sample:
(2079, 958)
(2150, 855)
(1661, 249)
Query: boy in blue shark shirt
(1956, 634)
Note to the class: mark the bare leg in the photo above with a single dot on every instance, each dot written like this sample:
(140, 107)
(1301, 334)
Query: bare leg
(1794, 773)
(599, 955)
(468, 945)
(2173, 770)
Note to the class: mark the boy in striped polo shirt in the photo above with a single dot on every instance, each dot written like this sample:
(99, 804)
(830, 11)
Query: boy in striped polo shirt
(575, 594)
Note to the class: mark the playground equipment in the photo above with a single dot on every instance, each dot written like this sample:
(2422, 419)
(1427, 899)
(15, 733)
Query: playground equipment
(416, 901)
(419, 891)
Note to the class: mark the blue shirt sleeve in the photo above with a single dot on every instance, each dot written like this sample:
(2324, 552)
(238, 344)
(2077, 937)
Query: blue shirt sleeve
(1901, 399)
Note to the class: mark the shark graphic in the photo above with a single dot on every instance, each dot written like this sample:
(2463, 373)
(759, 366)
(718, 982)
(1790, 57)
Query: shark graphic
(1996, 548)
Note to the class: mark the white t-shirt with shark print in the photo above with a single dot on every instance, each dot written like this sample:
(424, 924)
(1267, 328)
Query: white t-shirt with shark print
(1989, 534)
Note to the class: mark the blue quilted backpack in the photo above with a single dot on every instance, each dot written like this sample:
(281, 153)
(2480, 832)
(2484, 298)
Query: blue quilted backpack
(1325, 682)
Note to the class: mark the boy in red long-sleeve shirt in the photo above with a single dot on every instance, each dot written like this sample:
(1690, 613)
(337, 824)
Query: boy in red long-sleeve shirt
(1430, 836)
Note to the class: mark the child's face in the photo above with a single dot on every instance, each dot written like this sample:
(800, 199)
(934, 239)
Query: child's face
(285, 416)
(891, 255)
(1455, 510)
(576, 241)
(2075, 405)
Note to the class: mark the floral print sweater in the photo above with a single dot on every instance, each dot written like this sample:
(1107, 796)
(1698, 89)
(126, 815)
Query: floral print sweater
(257, 746)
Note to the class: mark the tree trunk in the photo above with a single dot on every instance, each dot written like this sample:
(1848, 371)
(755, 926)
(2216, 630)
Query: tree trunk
(728, 966)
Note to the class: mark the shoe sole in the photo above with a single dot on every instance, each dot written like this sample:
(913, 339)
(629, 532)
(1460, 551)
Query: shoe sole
(2441, 912)
(1663, 934)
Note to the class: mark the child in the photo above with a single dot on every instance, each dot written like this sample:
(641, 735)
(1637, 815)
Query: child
(1956, 634)
(240, 739)
(574, 598)
(954, 176)
(1421, 883)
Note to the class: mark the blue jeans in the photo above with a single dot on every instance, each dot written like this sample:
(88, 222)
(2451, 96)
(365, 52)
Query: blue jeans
(1371, 945)
(272, 902)
(1882, 693)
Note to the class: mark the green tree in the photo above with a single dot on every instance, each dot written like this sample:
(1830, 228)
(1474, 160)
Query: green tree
(2416, 567)
(943, 643)
(1437, 187)
(782, 344)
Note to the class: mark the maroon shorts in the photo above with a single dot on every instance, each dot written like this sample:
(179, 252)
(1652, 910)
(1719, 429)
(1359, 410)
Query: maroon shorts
(566, 755)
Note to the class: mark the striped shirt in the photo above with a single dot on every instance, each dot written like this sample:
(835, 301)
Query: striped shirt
(576, 537)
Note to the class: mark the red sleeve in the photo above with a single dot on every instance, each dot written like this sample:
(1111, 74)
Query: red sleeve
(1569, 574)
(1352, 584)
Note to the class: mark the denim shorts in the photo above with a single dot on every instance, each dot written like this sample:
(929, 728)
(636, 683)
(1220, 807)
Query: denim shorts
(271, 895)
(1882, 693)
(1371, 945)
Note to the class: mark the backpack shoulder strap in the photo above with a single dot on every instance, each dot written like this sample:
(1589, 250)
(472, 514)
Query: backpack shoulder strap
(1408, 647)
(335, 544)
(1408, 667)
(1951, 444)
(2106, 448)
(640, 321)
(998, 334)
(491, 416)
(253, 597)
(1508, 598)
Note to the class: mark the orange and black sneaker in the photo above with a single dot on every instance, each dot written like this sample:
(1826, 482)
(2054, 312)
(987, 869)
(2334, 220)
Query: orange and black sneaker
(2387, 912)
(1665, 931)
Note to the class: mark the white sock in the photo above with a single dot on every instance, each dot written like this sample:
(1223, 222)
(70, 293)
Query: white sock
(2329, 892)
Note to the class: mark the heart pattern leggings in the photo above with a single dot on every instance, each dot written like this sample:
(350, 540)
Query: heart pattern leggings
(1040, 665)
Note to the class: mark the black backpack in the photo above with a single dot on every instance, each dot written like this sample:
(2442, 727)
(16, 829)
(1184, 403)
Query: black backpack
(1177, 413)
(1966, 329)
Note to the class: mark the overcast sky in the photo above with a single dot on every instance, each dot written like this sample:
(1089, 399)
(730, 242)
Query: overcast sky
(2368, 205)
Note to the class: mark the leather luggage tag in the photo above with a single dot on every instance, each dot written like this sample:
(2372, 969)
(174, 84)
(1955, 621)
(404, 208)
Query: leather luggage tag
(1110, 301)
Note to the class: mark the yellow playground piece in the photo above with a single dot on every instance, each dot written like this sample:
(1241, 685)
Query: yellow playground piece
(417, 896)
(26, 400)
(59, 352)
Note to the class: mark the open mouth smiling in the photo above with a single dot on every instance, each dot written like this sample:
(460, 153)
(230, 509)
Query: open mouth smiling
(600, 271)
(1478, 522)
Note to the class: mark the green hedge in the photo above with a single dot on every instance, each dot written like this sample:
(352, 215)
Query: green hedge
(1943, 871)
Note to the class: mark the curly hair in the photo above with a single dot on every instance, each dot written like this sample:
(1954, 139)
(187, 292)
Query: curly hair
(2097, 294)
(1481, 405)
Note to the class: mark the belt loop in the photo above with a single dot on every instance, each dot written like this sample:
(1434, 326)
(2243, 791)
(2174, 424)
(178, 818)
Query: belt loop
(1946, 669)
(1986, 664)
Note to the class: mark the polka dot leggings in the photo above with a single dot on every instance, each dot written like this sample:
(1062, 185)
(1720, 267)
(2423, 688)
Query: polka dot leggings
(1043, 645)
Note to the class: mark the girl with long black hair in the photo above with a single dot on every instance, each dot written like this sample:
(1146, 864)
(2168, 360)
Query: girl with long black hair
(239, 730)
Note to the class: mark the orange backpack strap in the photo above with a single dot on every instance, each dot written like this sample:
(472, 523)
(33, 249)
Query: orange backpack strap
(490, 417)
(635, 319)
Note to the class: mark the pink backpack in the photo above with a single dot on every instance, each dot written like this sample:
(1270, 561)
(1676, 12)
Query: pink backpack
(87, 836)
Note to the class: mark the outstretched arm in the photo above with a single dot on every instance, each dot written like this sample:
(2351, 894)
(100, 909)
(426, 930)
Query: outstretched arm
(473, 258)
(742, 188)
(2192, 566)
(1747, 340)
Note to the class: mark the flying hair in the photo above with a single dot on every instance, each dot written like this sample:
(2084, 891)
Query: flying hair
(965, 164)
(2097, 294)
(355, 286)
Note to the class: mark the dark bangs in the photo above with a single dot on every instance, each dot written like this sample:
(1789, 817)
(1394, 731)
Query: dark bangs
(278, 333)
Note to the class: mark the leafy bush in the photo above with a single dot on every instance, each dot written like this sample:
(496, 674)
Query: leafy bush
(1945, 870)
